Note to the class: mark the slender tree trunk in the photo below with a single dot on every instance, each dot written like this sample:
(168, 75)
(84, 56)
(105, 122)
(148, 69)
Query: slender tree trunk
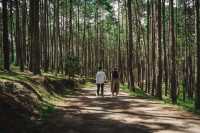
(165, 49)
(46, 61)
(130, 52)
(84, 46)
(18, 37)
(148, 48)
(173, 56)
(97, 62)
(35, 45)
(23, 44)
(6, 47)
(11, 32)
(159, 25)
(153, 49)
(197, 98)
(70, 28)
(119, 45)
(78, 30)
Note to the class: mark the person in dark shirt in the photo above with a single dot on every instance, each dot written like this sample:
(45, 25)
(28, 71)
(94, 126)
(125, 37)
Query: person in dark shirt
(115, 82)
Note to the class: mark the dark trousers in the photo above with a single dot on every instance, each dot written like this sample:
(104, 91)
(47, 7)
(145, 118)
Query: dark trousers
(100, 87)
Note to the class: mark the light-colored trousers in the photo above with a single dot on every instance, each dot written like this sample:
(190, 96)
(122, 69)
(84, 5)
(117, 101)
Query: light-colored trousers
(115, 86)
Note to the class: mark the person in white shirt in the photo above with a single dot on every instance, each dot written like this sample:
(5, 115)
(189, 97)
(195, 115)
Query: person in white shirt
(100, 80)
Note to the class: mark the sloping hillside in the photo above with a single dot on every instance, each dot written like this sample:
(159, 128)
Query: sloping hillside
(27, 100)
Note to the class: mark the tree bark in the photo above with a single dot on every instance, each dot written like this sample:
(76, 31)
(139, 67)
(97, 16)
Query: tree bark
(197, 98)
(159, 79)
(6, 46)
(130, 51)
(173, 56)
(35, 44)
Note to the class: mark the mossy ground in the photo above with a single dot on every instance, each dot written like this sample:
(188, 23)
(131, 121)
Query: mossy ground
(51, 93)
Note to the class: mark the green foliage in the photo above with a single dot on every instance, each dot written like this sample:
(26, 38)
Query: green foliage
(46, 109)
(138, 92)
(188, 104)
(106, 4)
(72, 65)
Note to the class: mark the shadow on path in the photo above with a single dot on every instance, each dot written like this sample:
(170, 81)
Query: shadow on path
(124, 114)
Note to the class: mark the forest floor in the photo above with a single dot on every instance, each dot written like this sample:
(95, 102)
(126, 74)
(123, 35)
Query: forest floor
(86, 113)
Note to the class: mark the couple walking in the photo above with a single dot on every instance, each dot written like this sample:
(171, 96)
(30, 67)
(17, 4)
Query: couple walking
(101, 79)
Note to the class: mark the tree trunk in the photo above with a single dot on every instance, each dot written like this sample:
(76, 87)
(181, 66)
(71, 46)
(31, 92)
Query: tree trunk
(6, 47)
(23, 44)
(119, 45)
(165, 49)
(148, 48)
(18, 37)
(173, 56)
(11, 33)
(159, 79)
(153, 49)
(46, 61)
(130, 51)
(197, 98)
(35, 45)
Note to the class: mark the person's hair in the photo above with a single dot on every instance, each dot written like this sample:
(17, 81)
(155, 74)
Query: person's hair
(100, 68)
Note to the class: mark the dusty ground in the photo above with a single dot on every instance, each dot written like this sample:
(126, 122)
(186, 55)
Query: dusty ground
(124, 114)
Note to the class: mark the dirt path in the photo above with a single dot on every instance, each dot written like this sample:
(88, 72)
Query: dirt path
(124, 114)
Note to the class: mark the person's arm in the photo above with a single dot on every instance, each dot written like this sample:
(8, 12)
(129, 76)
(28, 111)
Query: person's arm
(111, 75)
(96, 76)
(104, 76)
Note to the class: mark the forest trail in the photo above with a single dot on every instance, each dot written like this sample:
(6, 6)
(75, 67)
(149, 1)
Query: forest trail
(87, 113)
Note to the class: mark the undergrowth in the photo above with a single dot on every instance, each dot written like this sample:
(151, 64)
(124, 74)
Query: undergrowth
(187, 105)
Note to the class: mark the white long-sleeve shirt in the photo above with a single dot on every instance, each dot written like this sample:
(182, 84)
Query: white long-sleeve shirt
(100, 77)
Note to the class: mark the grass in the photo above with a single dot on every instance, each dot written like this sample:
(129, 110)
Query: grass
(187, 105)
(46, 106)
(87, 85)
(138, 92)
(45, 110)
